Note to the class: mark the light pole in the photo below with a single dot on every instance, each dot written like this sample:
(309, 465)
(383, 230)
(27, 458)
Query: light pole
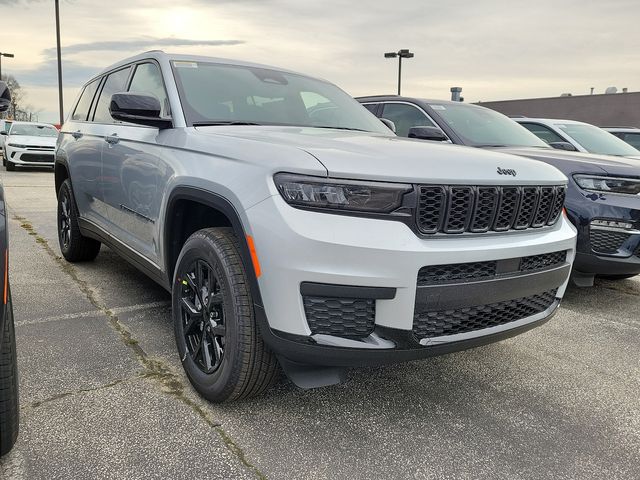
(404, 53)
(59, 63)
(8, 55)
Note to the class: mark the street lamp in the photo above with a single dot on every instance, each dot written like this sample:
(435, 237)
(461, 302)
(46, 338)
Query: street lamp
(404, 53)
(8, 55)
(59, 62)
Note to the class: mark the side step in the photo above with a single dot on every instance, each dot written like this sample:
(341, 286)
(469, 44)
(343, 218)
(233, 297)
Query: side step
(312, 376)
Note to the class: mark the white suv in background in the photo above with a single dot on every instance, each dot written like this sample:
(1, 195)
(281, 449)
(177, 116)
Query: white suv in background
(631, 135)
(292, 227)
(29, 143)
(577, 136)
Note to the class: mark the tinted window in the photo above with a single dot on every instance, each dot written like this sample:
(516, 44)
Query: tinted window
(545, 133)
(216, 93)
(405, 116)
(148, 80)
(371, 107)
(632, 139)
(116, 82)
(482, 127)
(84, 104)
(596, 140)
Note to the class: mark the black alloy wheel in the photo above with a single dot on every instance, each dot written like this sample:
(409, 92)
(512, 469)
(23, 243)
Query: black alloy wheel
(202, 311)
(64, 221)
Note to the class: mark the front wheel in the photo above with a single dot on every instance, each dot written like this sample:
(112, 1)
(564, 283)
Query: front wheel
(9, 408)
(10, 166)
(218, 340)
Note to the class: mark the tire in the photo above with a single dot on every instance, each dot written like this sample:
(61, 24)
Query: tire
(74, 246)
(10, 166)
(9, 405)
(239, 363)
(618, 277)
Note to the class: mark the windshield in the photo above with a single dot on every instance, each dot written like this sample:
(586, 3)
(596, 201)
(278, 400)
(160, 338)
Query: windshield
(223, 94)
(33, 130)
(596, 140)
(479, 127)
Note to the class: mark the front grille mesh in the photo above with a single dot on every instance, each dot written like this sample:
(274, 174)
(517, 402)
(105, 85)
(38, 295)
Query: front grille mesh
(477, 209)
(37, 157)
(342, 317)
(475, 271)
(427, 324)
(605, 241)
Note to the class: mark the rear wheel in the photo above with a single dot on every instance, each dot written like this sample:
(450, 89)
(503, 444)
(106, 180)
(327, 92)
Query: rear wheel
(218, 340)
(74, 246)
(9, 408)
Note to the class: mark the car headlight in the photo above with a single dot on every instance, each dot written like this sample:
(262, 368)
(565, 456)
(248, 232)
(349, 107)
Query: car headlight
(625, 186)
(350, 195)
(16, 145)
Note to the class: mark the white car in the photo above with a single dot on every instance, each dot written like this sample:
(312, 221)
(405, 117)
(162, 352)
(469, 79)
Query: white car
(631, 135)
(29, 143)
(578, 136)
(4, 127)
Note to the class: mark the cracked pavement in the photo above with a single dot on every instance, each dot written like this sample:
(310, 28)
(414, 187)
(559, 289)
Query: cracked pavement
(103, 394)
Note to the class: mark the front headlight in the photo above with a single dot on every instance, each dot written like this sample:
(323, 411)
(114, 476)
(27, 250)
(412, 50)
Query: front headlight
(16, 145)
(350, 195)
(625, 186)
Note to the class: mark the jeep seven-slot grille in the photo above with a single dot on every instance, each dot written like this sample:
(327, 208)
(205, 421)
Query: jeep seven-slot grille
(474, 271)
(430, 324)
(477, 209)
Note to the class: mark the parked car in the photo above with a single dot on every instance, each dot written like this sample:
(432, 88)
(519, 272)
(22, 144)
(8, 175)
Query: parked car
(602, 199)
(631, 135)
(4, 127)
(9, 409)
(291, 226)
(578, 136)
(29, 143)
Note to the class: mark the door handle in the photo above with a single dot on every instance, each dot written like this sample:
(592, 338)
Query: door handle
(112, 139)
(77, 134)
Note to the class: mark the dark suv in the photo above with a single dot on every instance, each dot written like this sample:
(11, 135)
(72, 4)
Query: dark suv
(603, 199)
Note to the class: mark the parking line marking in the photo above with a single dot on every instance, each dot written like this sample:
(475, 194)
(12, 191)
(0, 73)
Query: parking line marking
(93, 313)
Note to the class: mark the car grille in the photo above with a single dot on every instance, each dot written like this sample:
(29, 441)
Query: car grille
(37, 157)
(40, 147)
(430, 324)
(342, 317)
(465, 272)
(605, 241)
(477, 209)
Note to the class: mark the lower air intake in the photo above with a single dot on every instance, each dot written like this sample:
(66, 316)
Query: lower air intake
(341, 317)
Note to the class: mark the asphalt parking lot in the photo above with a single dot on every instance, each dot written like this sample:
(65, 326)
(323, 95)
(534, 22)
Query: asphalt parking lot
(103, 394)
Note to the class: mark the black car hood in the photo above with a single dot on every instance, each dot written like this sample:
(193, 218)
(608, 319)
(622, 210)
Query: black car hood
(572, 162)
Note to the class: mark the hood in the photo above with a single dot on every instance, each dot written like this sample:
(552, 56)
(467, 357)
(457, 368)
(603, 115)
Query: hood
(370, 156)
(574, 162)
(32, 140)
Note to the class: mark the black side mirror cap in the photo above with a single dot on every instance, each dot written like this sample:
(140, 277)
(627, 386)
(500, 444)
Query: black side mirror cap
(428, 133)
(5, 97)
(563, 146)
(4, 133)
(139, 109)
(390, 125)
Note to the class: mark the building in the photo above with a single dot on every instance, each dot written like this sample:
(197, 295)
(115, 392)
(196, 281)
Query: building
(605, 110)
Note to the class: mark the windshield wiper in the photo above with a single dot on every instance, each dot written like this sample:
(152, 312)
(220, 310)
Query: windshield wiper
(491, 145)
(337, 128)
(209, 124)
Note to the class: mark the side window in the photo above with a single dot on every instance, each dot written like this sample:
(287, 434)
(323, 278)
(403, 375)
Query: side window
(147, 79)
(116, 82)
(632, 139)
(372, 107)
(84, 104)
(405, 117)
(545, 133)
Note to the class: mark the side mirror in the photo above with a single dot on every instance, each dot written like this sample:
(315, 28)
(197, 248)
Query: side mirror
(4, 133)
(5, 97)
(428, 133)
(390, 125)
(138, 108)
(563, 146)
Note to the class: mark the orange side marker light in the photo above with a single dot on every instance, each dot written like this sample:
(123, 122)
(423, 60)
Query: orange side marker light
(254, 256)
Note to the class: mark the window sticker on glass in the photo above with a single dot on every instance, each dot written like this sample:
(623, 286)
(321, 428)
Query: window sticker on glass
(438, 107)
(185, 64)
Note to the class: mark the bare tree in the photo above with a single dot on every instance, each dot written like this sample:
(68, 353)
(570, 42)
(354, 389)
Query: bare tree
(19, 110)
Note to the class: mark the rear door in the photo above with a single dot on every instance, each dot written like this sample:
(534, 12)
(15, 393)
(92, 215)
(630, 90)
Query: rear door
(133, 170)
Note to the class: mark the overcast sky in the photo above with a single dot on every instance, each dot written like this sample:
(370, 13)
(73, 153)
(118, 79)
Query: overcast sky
(494, 49)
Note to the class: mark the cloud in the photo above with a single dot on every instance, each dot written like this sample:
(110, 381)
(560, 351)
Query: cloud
(76, 73)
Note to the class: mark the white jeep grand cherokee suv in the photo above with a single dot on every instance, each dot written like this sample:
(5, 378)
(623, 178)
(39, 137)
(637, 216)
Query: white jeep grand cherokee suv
(292, 227)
